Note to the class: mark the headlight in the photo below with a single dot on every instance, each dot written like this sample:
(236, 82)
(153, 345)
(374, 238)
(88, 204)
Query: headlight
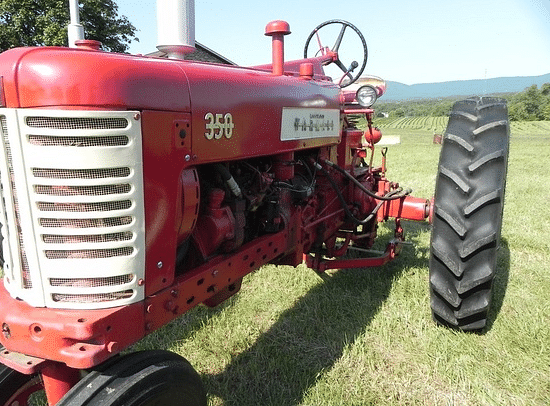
(366, 96)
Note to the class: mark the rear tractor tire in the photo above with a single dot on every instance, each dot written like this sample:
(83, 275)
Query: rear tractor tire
(468, 206)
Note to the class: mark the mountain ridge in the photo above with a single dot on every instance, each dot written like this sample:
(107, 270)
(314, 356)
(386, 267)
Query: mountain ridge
(397, 91)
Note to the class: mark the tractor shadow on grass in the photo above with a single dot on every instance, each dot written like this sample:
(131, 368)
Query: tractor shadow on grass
(309, 338)
(500, 283)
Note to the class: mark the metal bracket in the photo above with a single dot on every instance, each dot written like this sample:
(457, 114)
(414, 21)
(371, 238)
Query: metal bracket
(320, 265)
(22, 363)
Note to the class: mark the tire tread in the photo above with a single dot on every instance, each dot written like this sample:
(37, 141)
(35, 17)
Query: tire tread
(467, 221)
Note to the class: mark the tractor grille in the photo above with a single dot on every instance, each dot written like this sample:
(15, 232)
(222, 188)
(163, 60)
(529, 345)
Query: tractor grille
(79, 219)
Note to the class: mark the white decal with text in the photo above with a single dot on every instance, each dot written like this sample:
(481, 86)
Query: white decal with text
(307, 123)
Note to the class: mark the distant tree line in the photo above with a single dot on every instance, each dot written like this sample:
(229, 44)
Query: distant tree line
(412, 108)
(530, 105)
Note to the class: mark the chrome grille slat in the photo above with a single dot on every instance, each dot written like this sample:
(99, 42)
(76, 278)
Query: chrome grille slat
(81, 173)
(92, 238)
(77, 123)
(85, 207)
(66, 141)
(92, 282)
(85, 223)
(25, 272)
(92, 298)
(96, 190)
(89, 254)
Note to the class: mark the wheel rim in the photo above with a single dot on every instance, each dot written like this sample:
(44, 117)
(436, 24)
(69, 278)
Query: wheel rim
(23, 395)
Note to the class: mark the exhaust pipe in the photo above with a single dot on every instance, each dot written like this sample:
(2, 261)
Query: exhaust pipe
(176, 27)
(75, 30)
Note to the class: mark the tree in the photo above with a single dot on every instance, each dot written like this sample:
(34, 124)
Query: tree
(44, 22)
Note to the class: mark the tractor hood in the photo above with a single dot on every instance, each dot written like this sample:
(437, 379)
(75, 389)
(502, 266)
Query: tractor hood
(56, 77)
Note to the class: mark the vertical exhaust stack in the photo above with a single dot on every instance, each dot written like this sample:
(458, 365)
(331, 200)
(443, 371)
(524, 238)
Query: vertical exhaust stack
(75, 30)
(176, 27)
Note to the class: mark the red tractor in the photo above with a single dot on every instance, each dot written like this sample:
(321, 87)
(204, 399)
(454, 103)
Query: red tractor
(135, 188)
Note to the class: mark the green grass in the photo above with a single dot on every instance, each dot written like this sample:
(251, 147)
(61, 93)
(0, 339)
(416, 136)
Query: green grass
(361, 337)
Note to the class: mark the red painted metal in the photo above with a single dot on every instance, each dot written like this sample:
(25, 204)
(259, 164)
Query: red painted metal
(216, 225)
(88, 44)
(58, 379)
(2, 95)
(321, 265)
(373, 135)
(407, 208)
(277, 30)
(78, 338)
(306, 70)
(206, 281)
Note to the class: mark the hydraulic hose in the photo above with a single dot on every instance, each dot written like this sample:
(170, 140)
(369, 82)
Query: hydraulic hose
(229, 180)
(363, 188)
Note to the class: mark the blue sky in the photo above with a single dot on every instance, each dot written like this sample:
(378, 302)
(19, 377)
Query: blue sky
(408, 41)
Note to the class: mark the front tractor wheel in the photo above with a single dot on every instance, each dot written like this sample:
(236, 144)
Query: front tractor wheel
(468, 205)
(147, 378)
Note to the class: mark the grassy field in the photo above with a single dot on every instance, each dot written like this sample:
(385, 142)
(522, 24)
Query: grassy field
(362, 337)
(365, 337)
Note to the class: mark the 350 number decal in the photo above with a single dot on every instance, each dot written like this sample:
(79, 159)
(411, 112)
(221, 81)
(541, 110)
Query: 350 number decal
(218, 126)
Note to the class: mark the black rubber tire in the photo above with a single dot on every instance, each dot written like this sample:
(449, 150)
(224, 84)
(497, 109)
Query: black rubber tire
(16, 388)
(147, 378)
(468, 206)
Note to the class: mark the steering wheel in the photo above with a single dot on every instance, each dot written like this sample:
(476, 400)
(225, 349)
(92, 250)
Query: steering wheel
(335, 48)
